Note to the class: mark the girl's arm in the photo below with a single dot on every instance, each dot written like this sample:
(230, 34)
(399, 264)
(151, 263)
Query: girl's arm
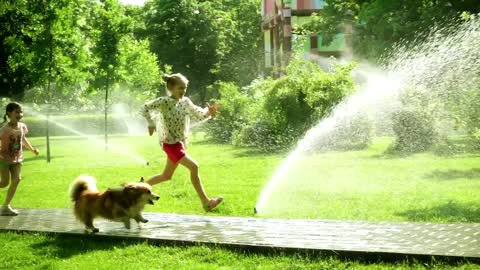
(153, 105)
(25, 141)
(27, 144)
(200, 113)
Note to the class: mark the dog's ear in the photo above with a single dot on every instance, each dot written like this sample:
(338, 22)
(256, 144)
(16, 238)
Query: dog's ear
(142, 180)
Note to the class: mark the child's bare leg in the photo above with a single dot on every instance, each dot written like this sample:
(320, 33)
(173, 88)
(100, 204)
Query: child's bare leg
(15, 171)
(192, 165)
(4, 176)
(167, 174)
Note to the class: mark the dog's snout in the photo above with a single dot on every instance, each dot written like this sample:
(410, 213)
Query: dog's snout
(155, 196)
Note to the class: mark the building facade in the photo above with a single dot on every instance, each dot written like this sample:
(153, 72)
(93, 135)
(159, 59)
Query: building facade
(279, 20)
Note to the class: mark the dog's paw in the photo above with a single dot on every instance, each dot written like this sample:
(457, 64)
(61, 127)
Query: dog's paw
(91, 230)
(141, 219)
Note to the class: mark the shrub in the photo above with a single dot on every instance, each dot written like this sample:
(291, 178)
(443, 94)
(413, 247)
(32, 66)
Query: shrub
(233, 111)
(263, 137)
(285, 105)
(293, 104)
(414, 131)
(350, 133)
(272, 114)
(472, 117)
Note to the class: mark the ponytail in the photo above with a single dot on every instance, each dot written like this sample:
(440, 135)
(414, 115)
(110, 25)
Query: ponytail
(166, 78)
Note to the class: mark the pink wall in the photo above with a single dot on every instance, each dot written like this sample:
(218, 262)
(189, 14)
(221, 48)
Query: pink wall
(268, 8)
(308, 4)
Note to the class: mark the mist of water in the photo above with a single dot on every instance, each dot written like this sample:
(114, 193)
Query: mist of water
(447, 63)
(92, 139)
(136, 125)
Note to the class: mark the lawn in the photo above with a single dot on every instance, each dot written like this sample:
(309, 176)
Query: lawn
(355, 185)
(227, 171)
(374, 185)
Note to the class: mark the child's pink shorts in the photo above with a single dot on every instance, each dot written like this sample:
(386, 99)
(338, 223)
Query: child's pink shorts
(175, 151)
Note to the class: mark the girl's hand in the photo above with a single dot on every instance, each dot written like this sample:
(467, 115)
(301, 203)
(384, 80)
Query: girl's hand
(213, 110)
(151, 130)
(35, 151)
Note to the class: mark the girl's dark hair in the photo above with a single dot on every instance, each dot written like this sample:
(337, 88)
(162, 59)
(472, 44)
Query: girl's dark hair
(12, 106)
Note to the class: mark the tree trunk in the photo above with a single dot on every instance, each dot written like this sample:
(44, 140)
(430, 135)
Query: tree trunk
(106, 112)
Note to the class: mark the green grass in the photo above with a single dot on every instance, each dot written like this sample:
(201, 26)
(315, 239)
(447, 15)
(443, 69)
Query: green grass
(227, 171)
(40, 251)
(372, 185)
(356, 185)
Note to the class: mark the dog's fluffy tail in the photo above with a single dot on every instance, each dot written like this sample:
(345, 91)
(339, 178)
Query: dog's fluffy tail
(81, 184)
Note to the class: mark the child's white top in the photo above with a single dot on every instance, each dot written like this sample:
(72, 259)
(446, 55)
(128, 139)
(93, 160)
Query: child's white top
(174, 117)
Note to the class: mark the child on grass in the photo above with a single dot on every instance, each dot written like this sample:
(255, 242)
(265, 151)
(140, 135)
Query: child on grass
(12, 136)
(175, 110)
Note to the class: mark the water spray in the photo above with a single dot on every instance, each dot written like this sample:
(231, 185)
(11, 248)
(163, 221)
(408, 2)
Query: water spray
(446, 64)
(93, 139)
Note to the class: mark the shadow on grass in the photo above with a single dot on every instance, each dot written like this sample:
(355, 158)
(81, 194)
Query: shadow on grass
(41, 157)
(398, 154)
(206, 142)
(66, 246)
(455, 174)
(241, 151)
(394, 152)
(450, 212)
(389, 154)
(250, 152)
(464, 147)
(457, 146)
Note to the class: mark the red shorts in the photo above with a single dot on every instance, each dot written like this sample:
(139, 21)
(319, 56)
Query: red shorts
(175, 151)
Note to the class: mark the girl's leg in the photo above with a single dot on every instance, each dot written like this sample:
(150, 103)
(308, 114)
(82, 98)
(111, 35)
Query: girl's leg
(167, 174)
(192, 165)
(15, 170)
(4, 176)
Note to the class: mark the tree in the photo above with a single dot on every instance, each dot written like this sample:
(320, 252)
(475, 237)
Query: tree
(25, 51)
(23, 37)
(111, 25)
(38, 39)
(138, 72)
(12, 18)
(244, 60)
(206, 40)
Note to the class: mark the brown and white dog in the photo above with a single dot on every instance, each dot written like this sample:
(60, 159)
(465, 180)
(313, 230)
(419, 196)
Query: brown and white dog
(119, 204)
